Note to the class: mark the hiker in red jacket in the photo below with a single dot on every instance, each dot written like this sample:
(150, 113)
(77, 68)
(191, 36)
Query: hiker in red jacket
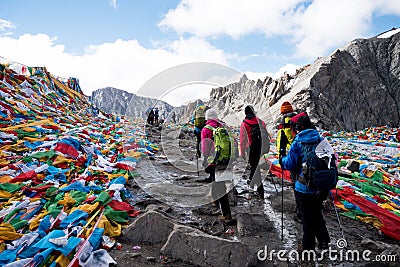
(252, 147)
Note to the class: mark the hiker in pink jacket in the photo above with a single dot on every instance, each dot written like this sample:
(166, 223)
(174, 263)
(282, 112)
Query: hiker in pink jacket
(207, 147)
(207, 144)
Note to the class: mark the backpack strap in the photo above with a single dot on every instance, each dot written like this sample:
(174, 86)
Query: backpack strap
(209, 127)
(286, 125)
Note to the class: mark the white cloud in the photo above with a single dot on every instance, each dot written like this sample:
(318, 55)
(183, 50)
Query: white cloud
(113, 3)
(123, 64)
(314, 26)
(257, 75)
(187, 93)
(234, 18)
(244, 58)
(288, 68)
(321, 28)
(5, 25)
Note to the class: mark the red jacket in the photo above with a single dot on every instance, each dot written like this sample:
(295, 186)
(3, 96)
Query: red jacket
(207, 144)
(245, 133)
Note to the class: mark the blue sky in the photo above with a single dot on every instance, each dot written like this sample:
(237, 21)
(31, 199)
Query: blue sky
(125, 43)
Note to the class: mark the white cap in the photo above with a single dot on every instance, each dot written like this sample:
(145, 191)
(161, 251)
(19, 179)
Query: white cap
(211, 114)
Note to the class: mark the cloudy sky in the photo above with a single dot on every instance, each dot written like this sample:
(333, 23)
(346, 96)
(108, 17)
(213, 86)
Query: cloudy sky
(125, 43)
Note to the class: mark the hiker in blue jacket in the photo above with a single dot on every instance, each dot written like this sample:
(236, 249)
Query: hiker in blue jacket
(310, 200)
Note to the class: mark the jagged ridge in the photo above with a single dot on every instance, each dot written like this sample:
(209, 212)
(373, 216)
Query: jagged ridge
(355, 87)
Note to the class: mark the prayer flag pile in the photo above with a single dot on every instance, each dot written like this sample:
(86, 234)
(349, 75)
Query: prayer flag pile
(63, 170)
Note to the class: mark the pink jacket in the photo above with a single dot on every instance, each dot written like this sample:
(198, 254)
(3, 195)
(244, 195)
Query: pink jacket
(245, 133)
(207, 144)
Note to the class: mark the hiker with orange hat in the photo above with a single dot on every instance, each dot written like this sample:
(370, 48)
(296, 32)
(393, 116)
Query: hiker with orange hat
(283, 141)
(285, 132)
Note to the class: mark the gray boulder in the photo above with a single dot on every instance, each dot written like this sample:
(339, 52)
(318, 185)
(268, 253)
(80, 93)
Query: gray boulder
(191, 245)
(151, 227)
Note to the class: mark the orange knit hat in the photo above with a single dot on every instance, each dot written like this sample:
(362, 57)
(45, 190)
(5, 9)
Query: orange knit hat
(286, 108)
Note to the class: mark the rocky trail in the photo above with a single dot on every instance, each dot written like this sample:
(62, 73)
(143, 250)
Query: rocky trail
(180, 227)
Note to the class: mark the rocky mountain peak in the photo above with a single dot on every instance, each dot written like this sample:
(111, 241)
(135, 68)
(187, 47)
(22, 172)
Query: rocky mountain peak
(243, 79)
(116, 101)
(355, 87)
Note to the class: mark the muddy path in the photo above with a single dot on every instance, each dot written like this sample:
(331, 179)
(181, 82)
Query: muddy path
(172, 182)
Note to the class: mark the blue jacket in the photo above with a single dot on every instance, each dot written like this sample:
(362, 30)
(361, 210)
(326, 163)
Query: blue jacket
(294, 158)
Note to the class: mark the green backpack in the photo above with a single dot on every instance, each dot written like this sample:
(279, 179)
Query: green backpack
(224, 145)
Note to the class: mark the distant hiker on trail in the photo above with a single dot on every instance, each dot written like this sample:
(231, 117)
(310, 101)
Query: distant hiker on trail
(150, 117)
(283, 141)
(254, 140)
(211, 160)
(309, 199)
(156, 116)
(199, 121)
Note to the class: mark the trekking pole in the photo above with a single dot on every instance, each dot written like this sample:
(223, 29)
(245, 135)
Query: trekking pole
(337, 214)
(273, 181)
(197, 155)
(283, 143)
(197, 165)
(282, 207)
(282, 148)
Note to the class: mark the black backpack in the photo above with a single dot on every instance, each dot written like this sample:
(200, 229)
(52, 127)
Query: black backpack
(320, 173)
(259, 136)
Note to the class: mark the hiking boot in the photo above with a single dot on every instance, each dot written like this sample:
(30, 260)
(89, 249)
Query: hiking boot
(227, 218)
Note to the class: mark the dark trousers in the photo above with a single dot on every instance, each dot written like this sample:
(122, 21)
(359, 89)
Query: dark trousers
(218, 192)
(254, 159)
(313, 221)
(198, 140)
(293, 176)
